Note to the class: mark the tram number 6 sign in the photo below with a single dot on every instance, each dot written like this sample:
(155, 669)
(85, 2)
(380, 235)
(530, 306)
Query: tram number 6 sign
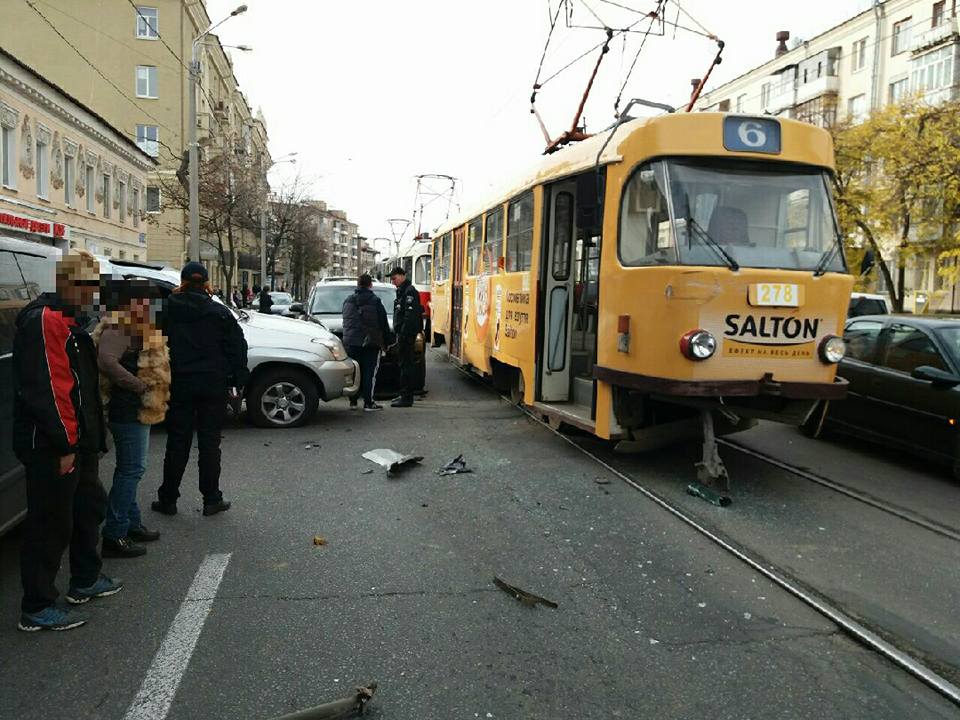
(759, 135)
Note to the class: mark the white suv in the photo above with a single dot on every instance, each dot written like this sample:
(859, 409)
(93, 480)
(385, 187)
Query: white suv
(293, 365)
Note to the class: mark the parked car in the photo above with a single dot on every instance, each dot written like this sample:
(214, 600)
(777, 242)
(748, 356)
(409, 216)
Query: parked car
(325, 306)
(904, 376)
(281, 303)
(26, 270)
(292, 365)
(868, 304)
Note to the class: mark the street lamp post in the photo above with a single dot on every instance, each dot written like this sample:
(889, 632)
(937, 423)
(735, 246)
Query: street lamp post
(289, 158)
(194, 147)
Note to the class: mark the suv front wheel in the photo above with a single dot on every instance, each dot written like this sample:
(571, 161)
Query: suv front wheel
(282, 398)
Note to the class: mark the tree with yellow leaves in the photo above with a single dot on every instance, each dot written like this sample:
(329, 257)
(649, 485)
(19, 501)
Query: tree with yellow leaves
(898, 184)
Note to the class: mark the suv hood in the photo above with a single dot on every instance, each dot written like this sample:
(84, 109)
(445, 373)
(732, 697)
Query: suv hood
(277, 331)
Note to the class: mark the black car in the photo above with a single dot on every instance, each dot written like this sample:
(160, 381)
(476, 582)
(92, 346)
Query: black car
(904, 375)
(325, 306)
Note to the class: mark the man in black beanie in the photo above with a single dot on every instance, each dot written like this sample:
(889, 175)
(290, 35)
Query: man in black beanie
(208, 355)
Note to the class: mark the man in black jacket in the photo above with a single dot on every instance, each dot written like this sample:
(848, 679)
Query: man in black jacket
(407, 324)
(208, 355)
(365, 333)
(58, 433)
(266, 302)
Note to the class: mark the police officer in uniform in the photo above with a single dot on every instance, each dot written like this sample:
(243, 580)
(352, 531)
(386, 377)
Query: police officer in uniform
(407, 324)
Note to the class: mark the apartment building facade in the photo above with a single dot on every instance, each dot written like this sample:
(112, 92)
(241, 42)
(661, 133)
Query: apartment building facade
(340, 240)
(131, 64)
(67, 177)
(894, 50)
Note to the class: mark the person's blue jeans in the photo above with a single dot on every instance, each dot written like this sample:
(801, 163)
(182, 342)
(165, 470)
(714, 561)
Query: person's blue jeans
(131, 440)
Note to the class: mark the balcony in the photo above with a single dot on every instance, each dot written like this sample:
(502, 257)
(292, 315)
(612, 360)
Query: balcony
(947, 30)
(816, 88)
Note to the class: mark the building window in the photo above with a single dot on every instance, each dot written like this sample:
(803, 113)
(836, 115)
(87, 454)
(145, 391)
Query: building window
(857, 106)
(108, 252)
(146, 81)
(764, 96)
(122, 193)
(89, 190)
(7, 157)
(859, 54)
(741, 102)
(933, 71)
(724, 105)
(43, 169)
(153, 200)
(135, 206)
(937, 17)
(69, 179)
(106, 196)
(898, 90)
(901, 36)
(147, 23)
(122, 254)
(148, 139)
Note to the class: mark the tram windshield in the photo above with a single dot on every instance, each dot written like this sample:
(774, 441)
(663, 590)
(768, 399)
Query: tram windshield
(729, 212)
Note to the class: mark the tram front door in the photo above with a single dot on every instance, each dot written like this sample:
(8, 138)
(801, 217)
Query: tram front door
(557, 281)
(456, 295)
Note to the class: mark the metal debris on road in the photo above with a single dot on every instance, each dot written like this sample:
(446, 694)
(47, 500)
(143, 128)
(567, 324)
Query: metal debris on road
(346, 708)
(526, 598)
(601, 481)
(311, 445)
(391, 459)
(705, 492)
(319, 540)
(367, 472)
(455, 466)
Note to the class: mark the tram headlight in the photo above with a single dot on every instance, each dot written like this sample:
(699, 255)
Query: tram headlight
(832, 349)
(698, 345)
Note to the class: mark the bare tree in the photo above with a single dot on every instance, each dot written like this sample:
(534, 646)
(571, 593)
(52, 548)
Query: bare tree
(230, 190)
(292, 227)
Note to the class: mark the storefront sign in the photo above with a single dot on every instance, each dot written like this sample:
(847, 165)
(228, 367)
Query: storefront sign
(58, 231)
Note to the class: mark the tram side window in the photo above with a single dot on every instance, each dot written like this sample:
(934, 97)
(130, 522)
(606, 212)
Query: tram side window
(437, 259)
(493, 245)
(447, 249)
(562, 236)
(520, 233)
(645, 233)
(474, 245)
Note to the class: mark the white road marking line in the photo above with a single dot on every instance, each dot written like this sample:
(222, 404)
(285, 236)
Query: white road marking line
(169, 664)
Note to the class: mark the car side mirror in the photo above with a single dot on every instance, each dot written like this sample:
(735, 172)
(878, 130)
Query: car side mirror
(938, 377)
(296, 308)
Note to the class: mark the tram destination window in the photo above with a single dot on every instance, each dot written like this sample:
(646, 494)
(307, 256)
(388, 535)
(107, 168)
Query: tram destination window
(493, 245)
(725, 211)
(519, 233)
(474, 245)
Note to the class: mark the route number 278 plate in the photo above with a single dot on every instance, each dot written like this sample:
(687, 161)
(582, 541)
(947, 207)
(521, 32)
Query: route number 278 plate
(775, 295)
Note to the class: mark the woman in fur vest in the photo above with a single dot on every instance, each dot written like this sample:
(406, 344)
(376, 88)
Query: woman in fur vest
(135, 385)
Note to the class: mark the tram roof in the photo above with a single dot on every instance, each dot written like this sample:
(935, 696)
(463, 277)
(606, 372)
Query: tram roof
(570, 160)
(583, 156)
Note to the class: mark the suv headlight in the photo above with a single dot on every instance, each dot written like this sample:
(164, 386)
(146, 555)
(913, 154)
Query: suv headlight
(334, 346)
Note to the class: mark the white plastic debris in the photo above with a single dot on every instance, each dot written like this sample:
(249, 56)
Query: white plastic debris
(391, 459)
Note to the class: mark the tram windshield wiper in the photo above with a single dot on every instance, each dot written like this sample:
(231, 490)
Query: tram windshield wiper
(712, 244)
(825, 259)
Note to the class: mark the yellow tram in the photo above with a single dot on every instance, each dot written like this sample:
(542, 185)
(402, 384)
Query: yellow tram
(668, 276)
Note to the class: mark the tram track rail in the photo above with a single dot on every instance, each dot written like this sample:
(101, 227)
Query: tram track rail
(866, 498)
(820, 603)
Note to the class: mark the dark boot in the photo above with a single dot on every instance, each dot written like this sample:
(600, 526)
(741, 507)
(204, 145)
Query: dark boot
(215, 507)
(404, 401)
(141, 534)
(121, 548)
(164, 507)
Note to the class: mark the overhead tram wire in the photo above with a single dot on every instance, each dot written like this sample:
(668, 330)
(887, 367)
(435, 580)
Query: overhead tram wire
(661, 8)
(100, 73)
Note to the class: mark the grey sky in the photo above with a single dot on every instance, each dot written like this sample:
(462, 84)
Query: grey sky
(371, 93)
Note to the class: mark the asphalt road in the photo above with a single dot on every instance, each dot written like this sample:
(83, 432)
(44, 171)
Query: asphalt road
(653, 621)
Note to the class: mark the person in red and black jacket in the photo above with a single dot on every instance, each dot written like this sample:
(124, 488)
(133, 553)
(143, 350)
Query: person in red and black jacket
(58, 434)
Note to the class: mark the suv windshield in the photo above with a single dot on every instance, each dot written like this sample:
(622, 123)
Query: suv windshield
(729, 212)
(328, 300)
(281, 298)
